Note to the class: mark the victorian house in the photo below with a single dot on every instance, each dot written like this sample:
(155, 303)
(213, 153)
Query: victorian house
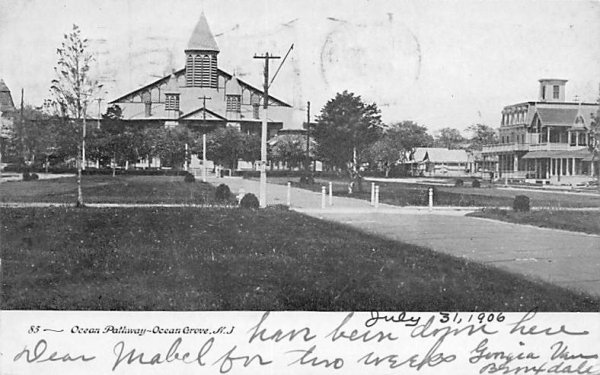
(545, 141)
(201, 96)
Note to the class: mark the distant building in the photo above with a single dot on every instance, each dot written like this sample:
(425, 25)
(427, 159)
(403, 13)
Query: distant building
(433, 161)
(7, 110)
(545, 141)
(202, 97)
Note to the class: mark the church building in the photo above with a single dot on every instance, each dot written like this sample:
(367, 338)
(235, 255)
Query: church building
(202, 97)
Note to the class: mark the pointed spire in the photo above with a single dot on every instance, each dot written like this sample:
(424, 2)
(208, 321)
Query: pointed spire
(172, 87)
(233, 86)
(202, 38)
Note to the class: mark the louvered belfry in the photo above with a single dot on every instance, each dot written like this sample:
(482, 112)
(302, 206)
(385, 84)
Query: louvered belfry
(201, 57)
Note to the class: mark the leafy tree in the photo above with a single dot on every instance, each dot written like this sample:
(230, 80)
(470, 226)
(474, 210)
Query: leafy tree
(226, 145)
(449, 138)
(481, 135)
(398, 141)
(33, 135)
(290, 149)
(346, 128)
(73, 86)
(170, 145)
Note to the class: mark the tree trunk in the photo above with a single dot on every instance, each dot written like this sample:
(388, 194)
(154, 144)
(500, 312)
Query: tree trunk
(79, 192)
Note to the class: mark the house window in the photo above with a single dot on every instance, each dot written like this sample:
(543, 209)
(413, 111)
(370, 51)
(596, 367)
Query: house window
(555, 91)
(233, 103)
(148, 109)
(172, 102)
(255, 111)
(543, 92)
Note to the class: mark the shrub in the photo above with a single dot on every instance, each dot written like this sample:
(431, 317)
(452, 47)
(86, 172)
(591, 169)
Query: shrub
(26, 176)
(521, 203)
(34, 176)
(307, 179)
(459, 182)
(222, 193)
(189, 178)
(476, 184)
(249, 201)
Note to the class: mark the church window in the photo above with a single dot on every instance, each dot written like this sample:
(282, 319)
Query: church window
(233, 103)
(201, 70)
(172, 102)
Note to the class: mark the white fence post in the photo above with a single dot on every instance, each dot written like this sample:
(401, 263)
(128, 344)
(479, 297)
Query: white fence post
(430, 198)
(376, 196)
(323, 194)
(289, 193)
(330, 193)
(372, 193)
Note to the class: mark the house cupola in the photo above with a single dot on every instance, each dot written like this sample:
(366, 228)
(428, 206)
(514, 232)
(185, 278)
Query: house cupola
(552, 90)
(201, 57)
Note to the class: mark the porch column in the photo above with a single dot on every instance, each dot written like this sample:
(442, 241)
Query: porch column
(576, 139)
(552, 167)
(573, 171)
(516, 163)
(560, 166)
(569, 137)
(548, 168)
(548, 135)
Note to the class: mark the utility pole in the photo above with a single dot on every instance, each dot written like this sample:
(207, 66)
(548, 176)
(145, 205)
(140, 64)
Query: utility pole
(263, 140)
(204, 98)
(307, 136)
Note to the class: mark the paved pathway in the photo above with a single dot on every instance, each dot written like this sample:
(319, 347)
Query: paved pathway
(565, 258)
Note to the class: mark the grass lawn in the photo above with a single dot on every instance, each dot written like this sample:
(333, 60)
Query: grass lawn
(405, 194)
(108, 189)
(578, 221)
(229, 259)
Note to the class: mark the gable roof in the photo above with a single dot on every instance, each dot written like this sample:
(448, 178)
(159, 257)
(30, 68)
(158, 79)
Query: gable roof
(202, 38)
(557, 116)
(180, 72)
(439, 155)
(6, 101)
(211, 115)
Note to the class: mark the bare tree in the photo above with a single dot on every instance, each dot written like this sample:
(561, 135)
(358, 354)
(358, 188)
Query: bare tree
(72, 88)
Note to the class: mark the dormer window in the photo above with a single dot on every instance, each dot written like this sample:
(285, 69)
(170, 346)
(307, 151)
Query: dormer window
(172, 102)
(234, 103)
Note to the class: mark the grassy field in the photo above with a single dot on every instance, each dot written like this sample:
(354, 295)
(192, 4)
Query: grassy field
(578, 221)
(108, 189)
(228, 259)
(410, 194)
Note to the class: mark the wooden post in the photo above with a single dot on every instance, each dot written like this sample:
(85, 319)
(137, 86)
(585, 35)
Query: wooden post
(323, 194)
(330, 193)
(289, 194)
(430, 193)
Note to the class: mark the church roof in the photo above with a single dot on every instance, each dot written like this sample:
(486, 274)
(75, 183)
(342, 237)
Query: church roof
(202, 38)
(6, 101)
(172, 87)
(233, 87)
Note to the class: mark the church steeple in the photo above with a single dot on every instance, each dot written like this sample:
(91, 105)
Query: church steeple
(201, 57)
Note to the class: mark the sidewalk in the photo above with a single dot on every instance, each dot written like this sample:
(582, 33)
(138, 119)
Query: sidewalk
(568, 259)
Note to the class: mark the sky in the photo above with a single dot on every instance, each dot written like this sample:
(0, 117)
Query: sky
(438, 63)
